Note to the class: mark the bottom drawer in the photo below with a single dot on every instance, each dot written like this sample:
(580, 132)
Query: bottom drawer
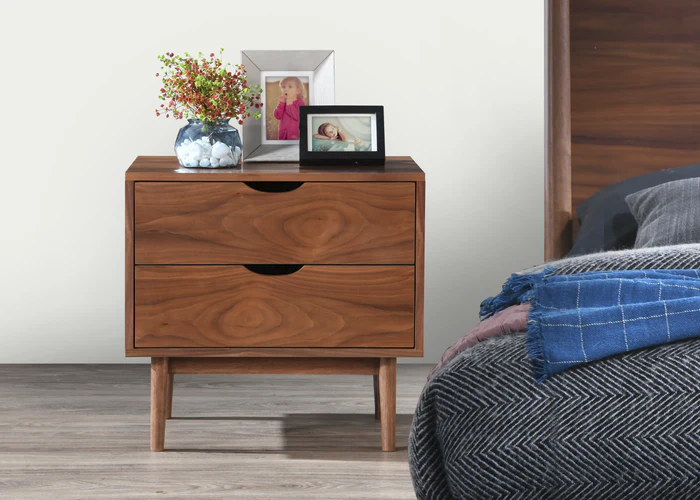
(233, 306)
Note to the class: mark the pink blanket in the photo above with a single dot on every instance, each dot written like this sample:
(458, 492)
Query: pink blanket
(510, 320)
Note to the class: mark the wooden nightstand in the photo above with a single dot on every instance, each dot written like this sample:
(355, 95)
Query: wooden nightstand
(274, 268)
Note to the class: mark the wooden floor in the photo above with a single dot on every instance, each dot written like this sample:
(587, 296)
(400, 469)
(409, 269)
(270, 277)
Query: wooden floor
(82, 432)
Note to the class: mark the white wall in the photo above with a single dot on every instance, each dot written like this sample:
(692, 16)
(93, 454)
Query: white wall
(463, 88)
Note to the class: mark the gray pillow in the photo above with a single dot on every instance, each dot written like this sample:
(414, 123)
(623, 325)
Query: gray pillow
(667, 214)
(606, 220)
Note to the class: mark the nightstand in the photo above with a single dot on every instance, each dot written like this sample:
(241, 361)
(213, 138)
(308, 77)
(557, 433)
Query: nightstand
(274, 268)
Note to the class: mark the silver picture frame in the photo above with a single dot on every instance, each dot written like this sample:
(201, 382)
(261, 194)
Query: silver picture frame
(318, 64)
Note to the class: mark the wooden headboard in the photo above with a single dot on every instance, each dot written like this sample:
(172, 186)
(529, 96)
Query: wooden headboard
(623, 99)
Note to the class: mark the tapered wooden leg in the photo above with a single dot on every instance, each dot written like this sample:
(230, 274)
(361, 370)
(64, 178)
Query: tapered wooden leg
(159, 389)
(377, 406)
(387, 397)
(169, 397)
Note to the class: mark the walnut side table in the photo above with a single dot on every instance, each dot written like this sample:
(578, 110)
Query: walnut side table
(274, 268)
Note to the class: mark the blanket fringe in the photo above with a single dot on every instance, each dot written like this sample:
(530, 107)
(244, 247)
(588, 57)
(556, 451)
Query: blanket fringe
(535, 350)
(517, 289)
(513, 288)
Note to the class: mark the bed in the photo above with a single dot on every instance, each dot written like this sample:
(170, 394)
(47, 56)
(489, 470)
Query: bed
(623, 102)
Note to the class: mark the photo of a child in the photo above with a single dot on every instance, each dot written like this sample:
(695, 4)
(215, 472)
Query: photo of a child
(284, 95)
(341, 133)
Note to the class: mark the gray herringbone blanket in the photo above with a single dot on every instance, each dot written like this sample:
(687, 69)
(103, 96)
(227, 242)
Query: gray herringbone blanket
(625, 427)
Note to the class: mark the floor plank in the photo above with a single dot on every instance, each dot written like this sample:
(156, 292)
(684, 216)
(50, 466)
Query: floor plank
(82, 431)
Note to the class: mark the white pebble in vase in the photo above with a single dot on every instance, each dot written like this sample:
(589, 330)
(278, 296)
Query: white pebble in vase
(226, 161)
(204, 162)
(214, 162)
(219, 150)
(196, 151)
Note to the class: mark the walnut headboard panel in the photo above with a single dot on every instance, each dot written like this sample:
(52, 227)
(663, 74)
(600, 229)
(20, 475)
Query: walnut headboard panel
(623, 99)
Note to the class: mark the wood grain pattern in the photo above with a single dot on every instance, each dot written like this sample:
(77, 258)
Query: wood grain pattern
(159, 388)
(166, 168)
(169, 393)
(420, 264)
(221, 317)
(318, 306)
(398, 169)
(129, 265)
(387, 399)
(81, 432)
(558, 207)
(635, 99)
(317, 223)
(270, 366)
(276, 352)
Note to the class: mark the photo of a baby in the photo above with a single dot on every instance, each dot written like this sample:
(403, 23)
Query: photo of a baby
(284, 95)
(342, 133)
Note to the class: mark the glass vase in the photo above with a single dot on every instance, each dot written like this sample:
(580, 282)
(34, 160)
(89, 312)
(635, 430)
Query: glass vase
(208, 145)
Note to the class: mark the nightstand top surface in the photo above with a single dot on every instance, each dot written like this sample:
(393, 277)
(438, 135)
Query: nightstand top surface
(167, 168)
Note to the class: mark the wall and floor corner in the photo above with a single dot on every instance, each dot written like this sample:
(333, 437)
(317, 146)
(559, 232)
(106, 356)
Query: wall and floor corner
(462, 85)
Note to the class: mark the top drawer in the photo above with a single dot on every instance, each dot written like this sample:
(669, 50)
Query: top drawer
(274, 223)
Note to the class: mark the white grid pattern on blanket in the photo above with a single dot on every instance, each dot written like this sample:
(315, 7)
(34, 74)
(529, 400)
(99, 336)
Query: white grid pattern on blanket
(627, 317)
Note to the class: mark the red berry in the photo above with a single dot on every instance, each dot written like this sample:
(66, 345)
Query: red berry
(157, 74)
(211, 55)
(240, 122)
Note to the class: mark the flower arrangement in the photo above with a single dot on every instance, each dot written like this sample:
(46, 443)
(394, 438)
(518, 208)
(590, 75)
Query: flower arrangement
(206, 89)
(209, 93)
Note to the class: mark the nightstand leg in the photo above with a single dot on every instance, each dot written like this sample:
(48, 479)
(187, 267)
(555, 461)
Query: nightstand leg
(159, 387)
(169, 397)
(387, 396)
(377, 406)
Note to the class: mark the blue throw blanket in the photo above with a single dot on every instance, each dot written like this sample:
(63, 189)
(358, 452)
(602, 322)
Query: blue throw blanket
(579, 318)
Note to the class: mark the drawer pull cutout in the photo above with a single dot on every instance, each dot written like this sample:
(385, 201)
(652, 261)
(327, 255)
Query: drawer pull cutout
(274, 187)
(273, 269)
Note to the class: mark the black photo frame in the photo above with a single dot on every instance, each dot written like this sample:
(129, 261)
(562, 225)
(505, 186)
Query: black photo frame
(309, 157)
